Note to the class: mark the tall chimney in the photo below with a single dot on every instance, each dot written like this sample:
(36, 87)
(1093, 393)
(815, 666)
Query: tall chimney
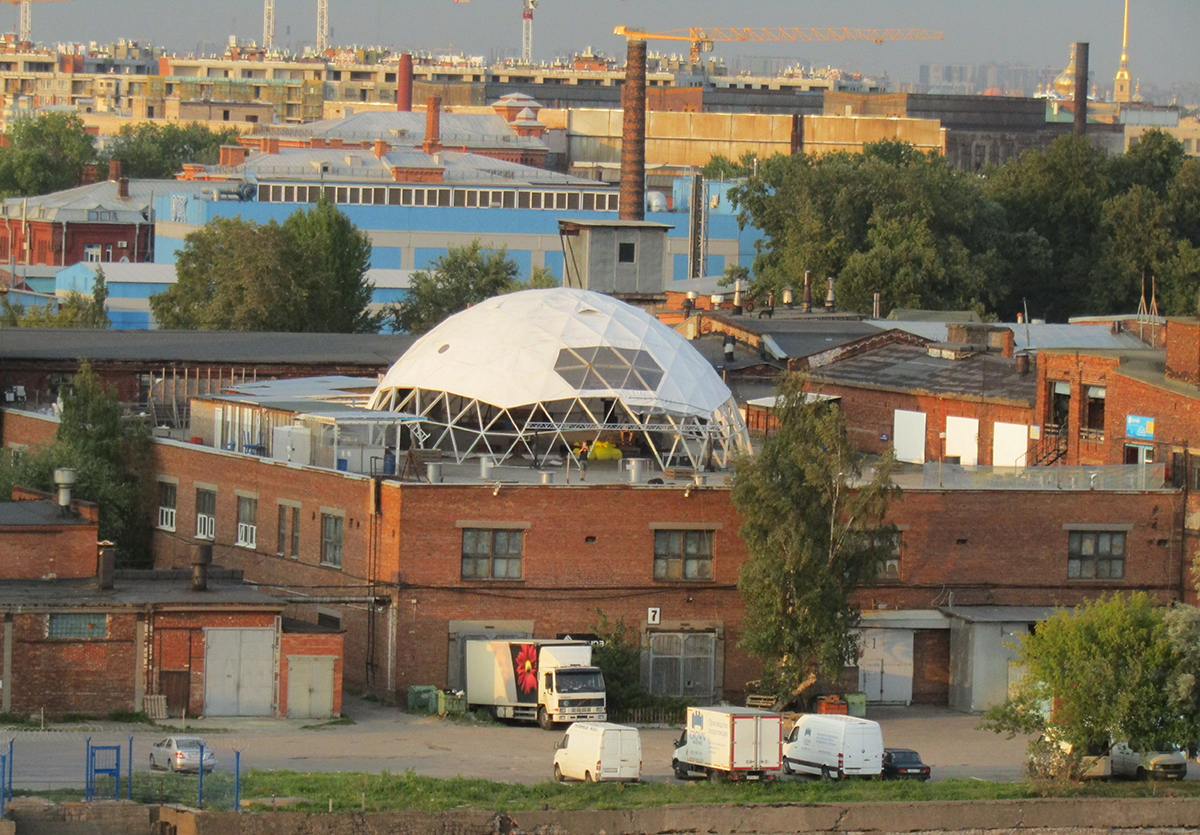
(106, 565)
(114, 169)
(201, 559)
(433, 125)
(806, 299)
(404, 83)
(633, 134)
(1081, 88)
(123, 188)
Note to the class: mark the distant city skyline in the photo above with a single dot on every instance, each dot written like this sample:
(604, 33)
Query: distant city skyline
(1037, 33)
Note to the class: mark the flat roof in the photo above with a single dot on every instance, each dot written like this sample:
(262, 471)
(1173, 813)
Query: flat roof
(73, 593)
(37, 513)
(245, 347)
(1000, 614)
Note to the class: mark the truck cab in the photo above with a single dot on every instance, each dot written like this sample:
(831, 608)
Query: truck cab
(571, 694)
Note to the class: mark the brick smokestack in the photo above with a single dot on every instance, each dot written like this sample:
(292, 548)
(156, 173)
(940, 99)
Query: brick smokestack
(433, 124)
(633, 134)
(404, 83)
(1081, 88)
(114, 169)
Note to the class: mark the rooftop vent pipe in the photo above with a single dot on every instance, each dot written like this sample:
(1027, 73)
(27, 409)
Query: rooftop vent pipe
(201, 560)
(64, 478)
(107, 565)
(806, 299)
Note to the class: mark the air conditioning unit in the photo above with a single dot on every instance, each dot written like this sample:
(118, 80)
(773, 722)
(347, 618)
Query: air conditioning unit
(123, 244)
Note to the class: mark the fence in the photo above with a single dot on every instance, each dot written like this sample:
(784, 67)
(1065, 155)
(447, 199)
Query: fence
(1131, 477)
(649, 716)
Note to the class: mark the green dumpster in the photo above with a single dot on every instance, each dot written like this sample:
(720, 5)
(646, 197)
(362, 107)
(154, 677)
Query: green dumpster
(449, 702)
(856, 704)
(422, 697)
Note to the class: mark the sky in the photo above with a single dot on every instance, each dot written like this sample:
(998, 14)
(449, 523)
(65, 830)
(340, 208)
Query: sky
(1162, 49)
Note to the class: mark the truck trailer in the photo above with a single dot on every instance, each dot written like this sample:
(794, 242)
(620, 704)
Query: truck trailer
(536, 680)
(730, 743)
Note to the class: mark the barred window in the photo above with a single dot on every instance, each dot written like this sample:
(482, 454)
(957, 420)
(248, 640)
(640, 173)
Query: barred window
(1096, 555)
(683, 555)
(492, 554)
(77, 626)
(331, 539)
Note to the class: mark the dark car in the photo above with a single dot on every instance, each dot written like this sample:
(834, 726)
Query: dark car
(903, 764)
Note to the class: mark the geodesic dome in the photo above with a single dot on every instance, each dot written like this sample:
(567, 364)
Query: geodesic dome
(531, 371)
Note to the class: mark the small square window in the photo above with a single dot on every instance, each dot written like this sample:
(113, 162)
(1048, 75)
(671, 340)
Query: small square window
(626, 253)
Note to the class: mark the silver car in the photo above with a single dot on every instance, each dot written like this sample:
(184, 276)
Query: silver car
(181, 753)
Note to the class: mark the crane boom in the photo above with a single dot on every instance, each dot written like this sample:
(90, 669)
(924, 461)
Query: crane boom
(25, 32)
(702, 40)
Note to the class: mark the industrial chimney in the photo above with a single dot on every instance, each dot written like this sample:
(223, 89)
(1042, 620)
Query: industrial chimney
(1081, 88)
(404, 83)
(633, 134)
(201, 559)
(433, 125)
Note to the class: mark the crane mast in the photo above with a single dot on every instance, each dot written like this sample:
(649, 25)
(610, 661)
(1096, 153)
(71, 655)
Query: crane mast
(268, 24)
(322, 25)
(527, 7)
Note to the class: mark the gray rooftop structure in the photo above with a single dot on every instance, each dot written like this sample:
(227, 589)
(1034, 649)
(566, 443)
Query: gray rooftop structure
(1032, 336)
(910, 368)
(408, 128)
(130, 592)
(239, 347)
(98, 202)
(38, 513)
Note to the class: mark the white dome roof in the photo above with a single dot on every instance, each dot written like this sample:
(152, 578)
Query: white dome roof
(540, 346)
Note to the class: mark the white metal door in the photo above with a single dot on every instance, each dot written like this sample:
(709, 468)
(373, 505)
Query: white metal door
(745, 731)
(908, 436)
(239, 672)
(962, 439)
(310, 686)
(1010, 441)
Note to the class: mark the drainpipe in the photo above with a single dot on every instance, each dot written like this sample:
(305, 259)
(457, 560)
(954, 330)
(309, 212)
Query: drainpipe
(62, 260)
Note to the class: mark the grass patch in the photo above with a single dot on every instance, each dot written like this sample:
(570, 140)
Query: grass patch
(155, 787)
(18, 719)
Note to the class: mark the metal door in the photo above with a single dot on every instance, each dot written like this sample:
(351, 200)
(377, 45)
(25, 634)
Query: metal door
(176, 685)
(682, 664)
(310, 686)
(239, 672)
(870, 679)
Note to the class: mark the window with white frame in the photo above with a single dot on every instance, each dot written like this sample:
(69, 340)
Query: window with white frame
(206, 513)
(167, 493)
(331, 539)
(247, 529)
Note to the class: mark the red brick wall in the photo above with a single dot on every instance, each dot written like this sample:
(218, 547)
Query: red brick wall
(310, 643)
(47, 552)
(870, 415)
(1183, 350)
(94, 677)
(27, 428)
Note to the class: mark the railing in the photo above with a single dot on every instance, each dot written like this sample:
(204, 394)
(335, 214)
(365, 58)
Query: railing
(1126, 477)
(1050, 448)
(649, 716)
(1092, 435)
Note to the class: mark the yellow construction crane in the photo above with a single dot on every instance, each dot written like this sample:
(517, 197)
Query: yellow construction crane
(26, 30)
(702, 40)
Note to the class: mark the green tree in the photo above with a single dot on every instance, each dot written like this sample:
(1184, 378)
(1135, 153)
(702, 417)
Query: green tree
(1105, 672)
(462, 277)
(307, 275)
(721, 168)
(814, 528)
(45, 153)
(1136, 243)
(75, 311)
(112, 460)
(1153, 162)
(152, 150)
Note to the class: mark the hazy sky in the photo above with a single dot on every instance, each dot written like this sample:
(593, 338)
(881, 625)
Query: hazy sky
(1163, 33)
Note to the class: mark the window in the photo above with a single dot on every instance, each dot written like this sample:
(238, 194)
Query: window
(683, 555)
(166, 505)
(492, 554)
(1060, 403)
(331, 539)
(289, 531)
(1096, 555)
(329, 621)
(626, 253)
(77, 625)
(91, 253)
(1093, 418)
(889, 559)
(247, 529)
(206, 514)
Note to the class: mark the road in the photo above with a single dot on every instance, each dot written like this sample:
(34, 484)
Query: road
(384, 738)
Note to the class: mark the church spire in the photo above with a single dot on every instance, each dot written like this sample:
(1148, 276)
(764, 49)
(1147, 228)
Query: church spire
(1121, 91)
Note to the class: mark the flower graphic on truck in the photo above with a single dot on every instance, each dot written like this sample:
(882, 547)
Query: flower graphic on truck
(525, 666)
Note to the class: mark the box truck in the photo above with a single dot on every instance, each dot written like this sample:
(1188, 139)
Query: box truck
(831, 745)
(544, 681)
(599, 752)
(729, 743)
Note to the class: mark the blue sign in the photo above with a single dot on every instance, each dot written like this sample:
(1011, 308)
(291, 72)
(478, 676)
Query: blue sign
(1139, 427)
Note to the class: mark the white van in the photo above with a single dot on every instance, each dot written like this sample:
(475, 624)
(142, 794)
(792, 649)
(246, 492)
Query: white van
(830, 745)
(596, 751)
(1161, 765)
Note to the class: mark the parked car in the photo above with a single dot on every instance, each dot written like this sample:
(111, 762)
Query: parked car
(903, 764)
(1170, 764)
(599, 751)
(181, 753)
(834, 746)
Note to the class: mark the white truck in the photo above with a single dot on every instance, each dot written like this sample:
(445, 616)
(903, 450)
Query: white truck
(730, 743)
(546, 681)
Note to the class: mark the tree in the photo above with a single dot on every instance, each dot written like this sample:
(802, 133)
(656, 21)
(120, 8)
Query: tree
(307, 275)
(1152, 162)
(1105, 672)
(462, 277)
(112, 460)
(815, 532)
(45, 153)
(158, 151)
(75, 311)
(720, 167)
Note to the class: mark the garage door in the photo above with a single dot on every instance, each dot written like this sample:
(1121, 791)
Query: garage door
(239, 672)
(885, 668)
(962, 440)
(931, 667)
(908, 432)
(310, 686)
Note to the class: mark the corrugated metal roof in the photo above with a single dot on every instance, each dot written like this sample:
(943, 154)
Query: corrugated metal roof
(73, 204)
(475, 129)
